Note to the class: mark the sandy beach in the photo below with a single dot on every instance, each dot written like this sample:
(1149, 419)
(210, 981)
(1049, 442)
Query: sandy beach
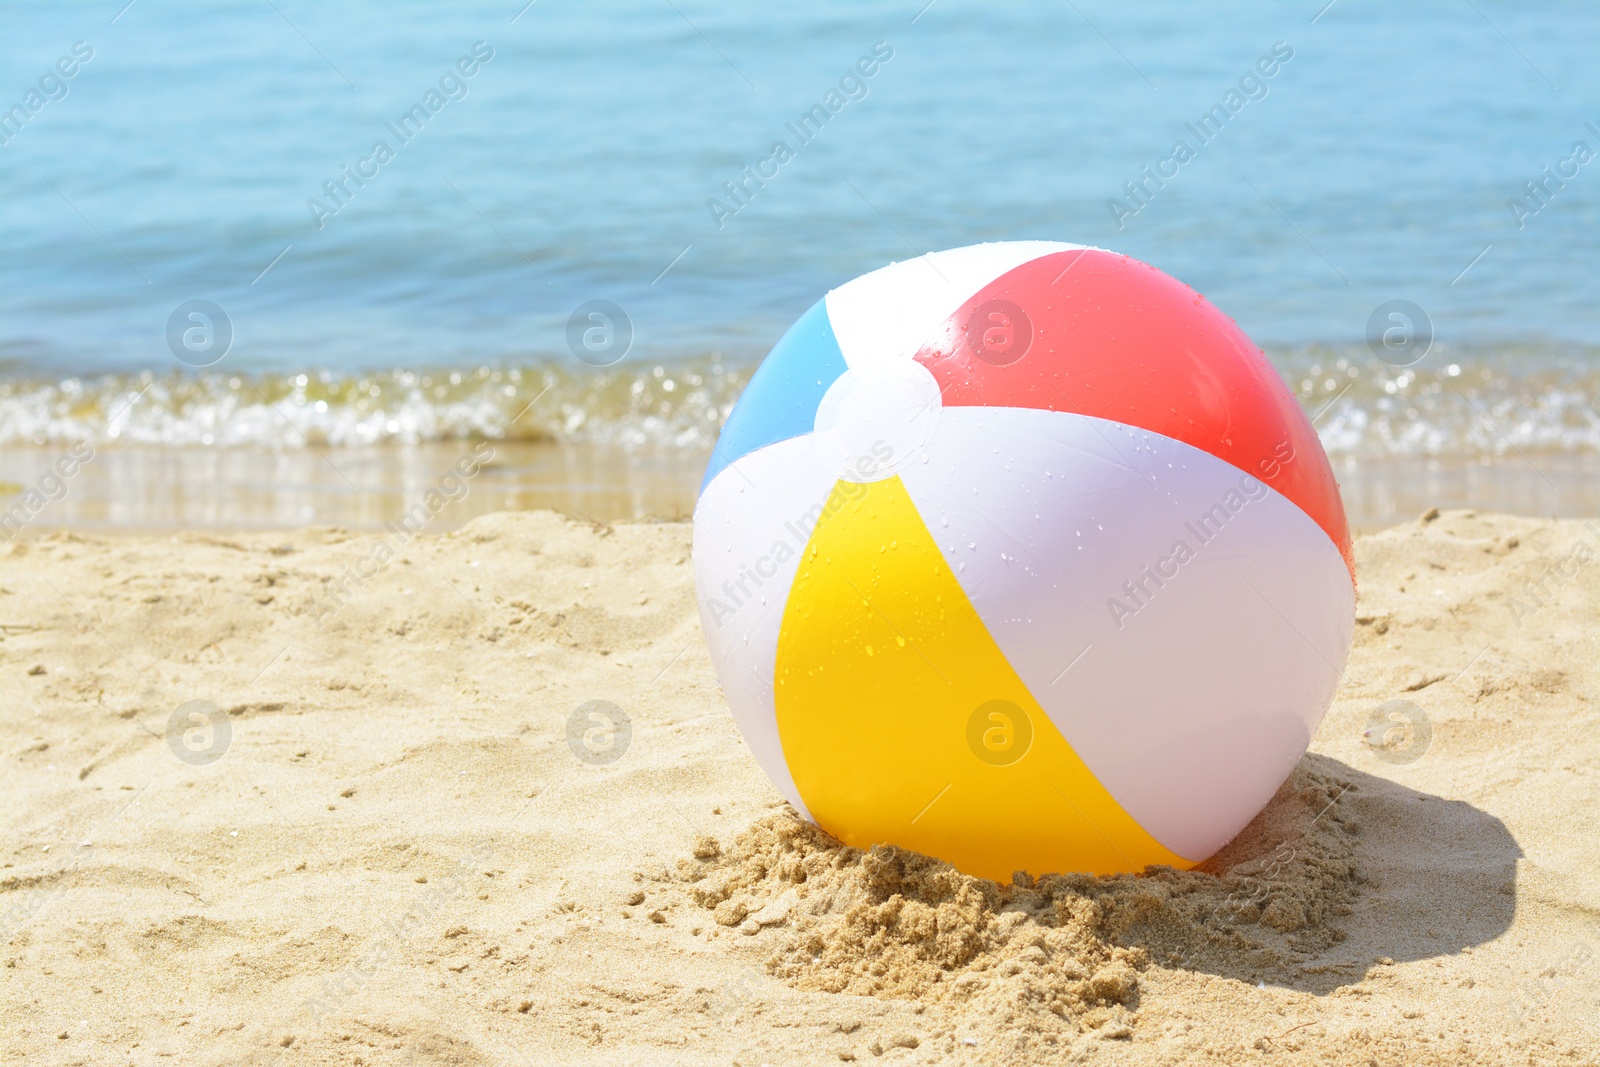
(250, 822)
(367, 370)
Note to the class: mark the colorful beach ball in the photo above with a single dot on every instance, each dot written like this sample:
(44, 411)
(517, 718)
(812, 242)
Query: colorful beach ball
(1023, 556)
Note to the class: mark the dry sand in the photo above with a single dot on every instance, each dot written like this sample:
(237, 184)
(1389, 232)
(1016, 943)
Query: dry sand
(399, 856)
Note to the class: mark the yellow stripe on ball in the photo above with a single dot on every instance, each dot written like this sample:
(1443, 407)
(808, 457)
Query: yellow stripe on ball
(902, 722)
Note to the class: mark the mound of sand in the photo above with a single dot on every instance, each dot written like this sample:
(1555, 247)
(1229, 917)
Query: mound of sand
(1039, 957)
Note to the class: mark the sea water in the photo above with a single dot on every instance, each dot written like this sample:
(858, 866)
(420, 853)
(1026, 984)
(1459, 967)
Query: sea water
(396, 210)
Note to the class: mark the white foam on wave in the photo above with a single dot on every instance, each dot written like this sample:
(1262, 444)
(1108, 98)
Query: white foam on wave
(640, 406)
(1451, 405)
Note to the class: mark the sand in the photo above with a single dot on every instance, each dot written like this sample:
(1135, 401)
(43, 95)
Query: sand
(387, 846)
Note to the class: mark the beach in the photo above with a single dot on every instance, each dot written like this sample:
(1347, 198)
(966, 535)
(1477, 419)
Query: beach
(256, 821)
(362, 370)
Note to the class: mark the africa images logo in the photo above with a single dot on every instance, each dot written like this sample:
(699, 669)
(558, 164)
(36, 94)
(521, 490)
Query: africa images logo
(1205, 528)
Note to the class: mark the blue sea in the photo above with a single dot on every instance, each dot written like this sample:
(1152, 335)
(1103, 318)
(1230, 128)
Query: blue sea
(397, 208)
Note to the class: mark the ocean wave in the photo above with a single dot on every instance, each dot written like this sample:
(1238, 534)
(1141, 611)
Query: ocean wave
(1453, 404)
(1456, 403)
(680, 407)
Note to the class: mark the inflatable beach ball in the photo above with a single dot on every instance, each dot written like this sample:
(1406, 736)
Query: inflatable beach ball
(1023, 556)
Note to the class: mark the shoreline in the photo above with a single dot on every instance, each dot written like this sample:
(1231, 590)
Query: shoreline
(172, 489)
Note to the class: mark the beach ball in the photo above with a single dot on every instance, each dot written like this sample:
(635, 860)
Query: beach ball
(1023, 556)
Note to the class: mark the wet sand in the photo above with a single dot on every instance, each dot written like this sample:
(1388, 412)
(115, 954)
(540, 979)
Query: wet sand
(149, 488)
